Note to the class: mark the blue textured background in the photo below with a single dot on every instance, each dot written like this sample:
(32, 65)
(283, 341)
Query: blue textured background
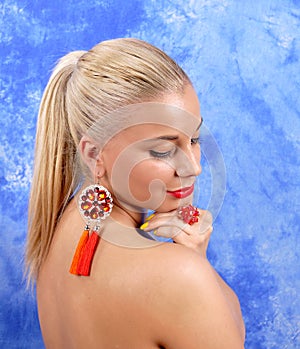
(243, 57)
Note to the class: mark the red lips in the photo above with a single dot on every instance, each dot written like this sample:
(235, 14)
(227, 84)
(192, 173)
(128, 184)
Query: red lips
(183, 192)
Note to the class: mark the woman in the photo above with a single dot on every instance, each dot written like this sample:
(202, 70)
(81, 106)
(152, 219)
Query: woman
(123, 120)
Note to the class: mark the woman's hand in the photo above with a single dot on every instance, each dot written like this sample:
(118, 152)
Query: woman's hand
(169, 225)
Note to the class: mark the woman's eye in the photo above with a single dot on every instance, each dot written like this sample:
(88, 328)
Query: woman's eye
(157, 154)
(195, 140)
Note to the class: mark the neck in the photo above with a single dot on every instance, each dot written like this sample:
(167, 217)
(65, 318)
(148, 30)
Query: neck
(127, 217)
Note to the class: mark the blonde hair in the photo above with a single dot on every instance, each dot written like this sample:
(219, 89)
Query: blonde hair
(84, 87)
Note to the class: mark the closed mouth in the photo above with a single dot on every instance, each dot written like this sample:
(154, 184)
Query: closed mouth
(182, 192)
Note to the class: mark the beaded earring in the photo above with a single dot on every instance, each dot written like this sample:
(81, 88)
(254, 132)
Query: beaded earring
(95, 203)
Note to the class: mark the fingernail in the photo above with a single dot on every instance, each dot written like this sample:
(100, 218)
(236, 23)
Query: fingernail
(148, 218)
(145, 225)
(155, 232)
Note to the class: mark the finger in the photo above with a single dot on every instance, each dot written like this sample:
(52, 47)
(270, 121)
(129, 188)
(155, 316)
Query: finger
(168, 231)
(165, 220)
(197, 237)
(169, 224)
(197, 243)
(205, 221)
(194, 233)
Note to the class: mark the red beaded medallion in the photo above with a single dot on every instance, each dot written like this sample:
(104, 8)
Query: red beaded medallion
(95, 203)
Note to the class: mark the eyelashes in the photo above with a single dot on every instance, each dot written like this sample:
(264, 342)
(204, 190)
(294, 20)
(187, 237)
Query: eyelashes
(160, 155)
(167, 154)
(196, 140)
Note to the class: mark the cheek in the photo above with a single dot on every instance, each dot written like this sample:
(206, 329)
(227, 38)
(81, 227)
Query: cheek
(197, 153)
(150, 178)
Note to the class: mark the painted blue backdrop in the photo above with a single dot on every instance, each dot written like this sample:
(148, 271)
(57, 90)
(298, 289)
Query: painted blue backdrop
(243, 57)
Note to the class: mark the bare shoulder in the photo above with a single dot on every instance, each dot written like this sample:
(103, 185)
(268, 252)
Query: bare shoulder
(193, 311)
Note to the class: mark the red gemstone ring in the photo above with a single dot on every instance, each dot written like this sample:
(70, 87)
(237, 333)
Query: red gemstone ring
(189, 214)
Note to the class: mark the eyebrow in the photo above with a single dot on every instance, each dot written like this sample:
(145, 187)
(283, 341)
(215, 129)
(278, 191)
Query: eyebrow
(167, 138)
(173, 138)
(201, 122)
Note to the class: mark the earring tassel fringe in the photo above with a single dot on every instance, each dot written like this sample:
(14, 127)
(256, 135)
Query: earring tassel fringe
(87, 255)
(78, 252)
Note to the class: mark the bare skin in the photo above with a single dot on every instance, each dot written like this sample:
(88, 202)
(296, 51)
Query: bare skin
(160, 297)
(163, 296)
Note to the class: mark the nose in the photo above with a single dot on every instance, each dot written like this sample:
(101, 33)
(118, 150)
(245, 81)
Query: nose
(188, 163)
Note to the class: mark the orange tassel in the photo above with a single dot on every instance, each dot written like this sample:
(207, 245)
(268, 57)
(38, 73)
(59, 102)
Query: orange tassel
(88, 252)
(82, 242)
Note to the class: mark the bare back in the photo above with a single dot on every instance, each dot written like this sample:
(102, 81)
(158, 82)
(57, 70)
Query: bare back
(108, 309)
(121, 305)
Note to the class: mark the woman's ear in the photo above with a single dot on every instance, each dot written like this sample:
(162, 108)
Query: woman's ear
(91, 156)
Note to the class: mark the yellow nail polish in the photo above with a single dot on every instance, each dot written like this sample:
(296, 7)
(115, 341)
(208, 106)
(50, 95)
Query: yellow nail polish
(148, 218)
(155, 232)
(145, 225)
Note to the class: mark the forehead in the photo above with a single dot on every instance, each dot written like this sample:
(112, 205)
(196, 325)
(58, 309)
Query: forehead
(159, 121)
(157, 130)
(187, 101)
(172, 113)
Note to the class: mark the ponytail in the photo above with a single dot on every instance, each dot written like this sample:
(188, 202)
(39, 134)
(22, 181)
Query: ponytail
(53, 175)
